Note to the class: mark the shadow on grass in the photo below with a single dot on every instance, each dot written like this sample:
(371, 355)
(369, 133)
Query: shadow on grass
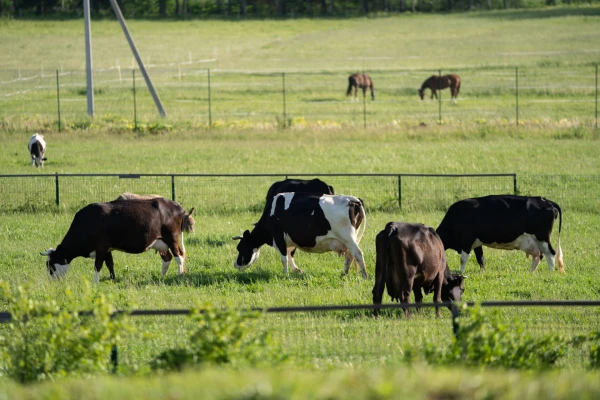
(540, 13)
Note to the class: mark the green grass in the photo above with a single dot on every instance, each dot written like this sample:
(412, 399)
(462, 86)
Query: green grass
(551, 47)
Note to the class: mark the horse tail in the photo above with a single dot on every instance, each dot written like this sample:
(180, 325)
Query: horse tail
(350, 82)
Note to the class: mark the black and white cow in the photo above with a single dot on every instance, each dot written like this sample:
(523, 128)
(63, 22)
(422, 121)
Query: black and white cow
(311, 222)
(411, 257)
(505, 222)
(131, 226)
(37, 149)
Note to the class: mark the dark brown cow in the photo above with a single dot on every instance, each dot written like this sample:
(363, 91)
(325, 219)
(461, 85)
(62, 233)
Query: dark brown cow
(188, 220)
(362, 81)
(131, 226)
(411, 257)
(435, 83)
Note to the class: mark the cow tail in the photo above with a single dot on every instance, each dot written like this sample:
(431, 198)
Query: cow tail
(559, 254)
(364, 224)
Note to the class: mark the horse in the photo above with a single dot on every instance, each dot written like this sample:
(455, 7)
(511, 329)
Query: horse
(362, 81)
(435, 82)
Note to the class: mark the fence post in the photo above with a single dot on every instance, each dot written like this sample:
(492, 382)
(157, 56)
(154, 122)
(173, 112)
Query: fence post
(173, 187)
(58, 98)
(517, 92)
(284, 105)
(57, 191)
(400, 191)
(440, 96)
(364, 105)
(455, 315)
(515, 190)
(135, 127)
(596, 96)
(209, 100)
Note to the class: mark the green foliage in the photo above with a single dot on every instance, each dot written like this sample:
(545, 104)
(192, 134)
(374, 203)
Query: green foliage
(483, 340)
(46, 341)
(221, 336)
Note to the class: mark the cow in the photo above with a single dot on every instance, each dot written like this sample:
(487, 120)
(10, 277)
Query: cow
(37, 149)
(411, 257)
(507, 222)
(131, 226)
(188, 220)
(311, 222)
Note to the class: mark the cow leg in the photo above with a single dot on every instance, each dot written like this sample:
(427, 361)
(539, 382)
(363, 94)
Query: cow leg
(464, 257)
(437, 291)
(167, 257)
(99, 260)
(178, 251)
(535, 261)
(357, 253)
(108, 260)
(418, 295)
(548, 252)
(479, 255)
(290, 260)
(380, 270)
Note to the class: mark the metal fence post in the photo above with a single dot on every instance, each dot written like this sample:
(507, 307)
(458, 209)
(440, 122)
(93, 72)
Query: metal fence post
(209, 100)
(440, 96)
(58, 99)
(596, 96)
(455, 315)
(284, 104)
(134, 103)
(400, 191)
(515, 189)
(173, 187)
(114, 358)
(57, 191)
(517, 92)
(364, 105)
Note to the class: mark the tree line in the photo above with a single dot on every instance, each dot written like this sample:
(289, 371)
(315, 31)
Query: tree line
(183, 9)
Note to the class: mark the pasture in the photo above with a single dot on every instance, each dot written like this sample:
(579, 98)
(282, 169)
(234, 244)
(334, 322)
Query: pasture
(320, 343)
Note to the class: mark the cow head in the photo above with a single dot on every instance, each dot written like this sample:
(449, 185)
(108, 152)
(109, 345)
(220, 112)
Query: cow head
(56, 264)
(188, 222)
(248, 251)
(453, 288)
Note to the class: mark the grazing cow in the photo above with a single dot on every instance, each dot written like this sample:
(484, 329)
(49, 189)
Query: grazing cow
(311, 222)
(502, 222)
(188, 220)
(37, 149)
(411, 257)
(131, 226)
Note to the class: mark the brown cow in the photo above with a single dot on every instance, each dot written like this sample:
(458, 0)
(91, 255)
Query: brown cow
(188, 220)
(131, 226)
(411, 257)
(435, 82)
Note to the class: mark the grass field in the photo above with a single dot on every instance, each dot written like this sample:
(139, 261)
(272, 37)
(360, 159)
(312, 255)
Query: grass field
(318, 344)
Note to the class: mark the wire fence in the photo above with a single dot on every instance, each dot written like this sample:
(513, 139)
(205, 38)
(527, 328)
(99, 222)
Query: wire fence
(199, 97)
(322, 336)
(227, 193)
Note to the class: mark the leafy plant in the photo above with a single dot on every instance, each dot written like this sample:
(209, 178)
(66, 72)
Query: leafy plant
(45, 341)
(221, 336)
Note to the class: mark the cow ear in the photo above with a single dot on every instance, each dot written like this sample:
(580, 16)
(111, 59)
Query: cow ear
(237, 238)
(47, 252)
(191, 211)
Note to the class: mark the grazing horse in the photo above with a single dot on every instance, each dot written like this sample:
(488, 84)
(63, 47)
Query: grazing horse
(436, 82)
(362, 81)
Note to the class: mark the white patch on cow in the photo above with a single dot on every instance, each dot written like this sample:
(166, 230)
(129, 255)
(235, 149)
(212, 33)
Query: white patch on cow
(181, 242)
(92, 255)
(159, 245)
(288, 196)
(526, 243)
(165, 266)
(96, 277)
(464, 257)
(47, 252)
(253, 258)
(291, 261)
(61, 271)
(180, 264)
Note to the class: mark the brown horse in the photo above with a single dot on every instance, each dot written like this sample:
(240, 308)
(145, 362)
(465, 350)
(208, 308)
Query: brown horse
(440, 82)
(362, 81)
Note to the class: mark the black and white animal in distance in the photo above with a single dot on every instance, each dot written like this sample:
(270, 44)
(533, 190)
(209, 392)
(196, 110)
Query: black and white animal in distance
(311, 222)
(502, 222)
(37, 149)
(131, 226)
(411, 257)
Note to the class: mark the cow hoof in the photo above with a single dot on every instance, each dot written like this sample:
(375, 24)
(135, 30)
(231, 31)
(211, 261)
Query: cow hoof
(365, 276)
(298, 271)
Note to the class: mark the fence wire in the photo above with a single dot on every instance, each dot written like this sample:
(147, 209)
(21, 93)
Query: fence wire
(240, 98)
